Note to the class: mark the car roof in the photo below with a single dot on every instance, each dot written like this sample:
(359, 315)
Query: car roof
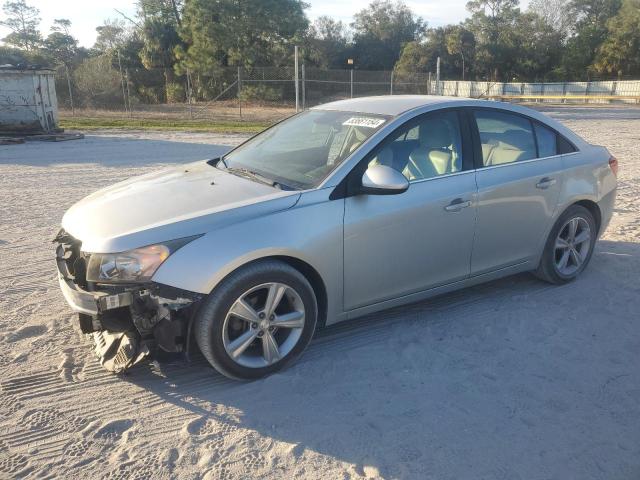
(390, 104)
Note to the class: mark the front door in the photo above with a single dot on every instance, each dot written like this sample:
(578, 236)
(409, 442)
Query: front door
(395, 245)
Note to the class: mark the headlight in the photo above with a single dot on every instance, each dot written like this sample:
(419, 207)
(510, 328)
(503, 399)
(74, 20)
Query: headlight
(133, 266)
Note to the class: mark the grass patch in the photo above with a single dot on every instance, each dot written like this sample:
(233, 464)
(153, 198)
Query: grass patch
(97, 123)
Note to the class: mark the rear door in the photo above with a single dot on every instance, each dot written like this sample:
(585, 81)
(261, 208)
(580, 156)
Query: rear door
(519, 176)
(395, 245)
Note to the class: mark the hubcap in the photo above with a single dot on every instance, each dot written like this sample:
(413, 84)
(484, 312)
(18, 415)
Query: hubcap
(572, 246)
(263, 325)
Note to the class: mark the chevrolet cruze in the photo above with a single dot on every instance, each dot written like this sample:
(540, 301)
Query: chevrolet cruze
(345, 209)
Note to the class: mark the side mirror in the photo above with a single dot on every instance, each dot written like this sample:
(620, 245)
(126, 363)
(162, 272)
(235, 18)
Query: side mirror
(383, 180)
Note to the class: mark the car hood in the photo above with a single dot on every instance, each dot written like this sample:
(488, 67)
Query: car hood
(179, 202)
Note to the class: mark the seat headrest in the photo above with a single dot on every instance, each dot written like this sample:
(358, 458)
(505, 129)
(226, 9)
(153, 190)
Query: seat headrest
(434, 134)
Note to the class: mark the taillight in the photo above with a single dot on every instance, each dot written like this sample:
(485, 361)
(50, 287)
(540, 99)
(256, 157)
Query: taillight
(613, 164)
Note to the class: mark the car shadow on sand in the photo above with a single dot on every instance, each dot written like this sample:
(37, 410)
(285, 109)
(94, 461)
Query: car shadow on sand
(511, 379)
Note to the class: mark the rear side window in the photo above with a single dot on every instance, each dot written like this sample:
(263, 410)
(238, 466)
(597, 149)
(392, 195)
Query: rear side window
(547, 141)
(564, 146)
(505, 138)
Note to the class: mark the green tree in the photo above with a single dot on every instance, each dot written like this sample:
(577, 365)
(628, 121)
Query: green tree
(590, 33)
(539, 48)
(380, 32)
(557, 14)
(111, 36)
(98, 82)
(422, 56)
(62, 48)
(493, 23)
(328, 43)
(461, 42)
(620, 51)
(23, 21)
(159, 33)
(239, 32)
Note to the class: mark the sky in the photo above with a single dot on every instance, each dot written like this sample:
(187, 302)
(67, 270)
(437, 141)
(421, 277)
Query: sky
(86, 15)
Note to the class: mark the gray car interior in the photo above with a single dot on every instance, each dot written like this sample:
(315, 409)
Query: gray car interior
(436, 151)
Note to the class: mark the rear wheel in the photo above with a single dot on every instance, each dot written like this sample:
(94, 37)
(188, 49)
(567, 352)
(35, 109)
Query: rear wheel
(258, 320)
(569, 246)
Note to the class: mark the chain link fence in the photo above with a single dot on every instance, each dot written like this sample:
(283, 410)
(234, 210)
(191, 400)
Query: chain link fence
(270, 93)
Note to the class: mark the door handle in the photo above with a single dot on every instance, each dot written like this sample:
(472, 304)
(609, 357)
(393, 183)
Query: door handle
(457, 205)
(545, 183)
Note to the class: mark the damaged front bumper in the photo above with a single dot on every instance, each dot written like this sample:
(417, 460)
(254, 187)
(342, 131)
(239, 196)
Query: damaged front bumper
(127, 322)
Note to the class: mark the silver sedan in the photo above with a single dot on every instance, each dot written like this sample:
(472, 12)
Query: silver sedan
(345, 209)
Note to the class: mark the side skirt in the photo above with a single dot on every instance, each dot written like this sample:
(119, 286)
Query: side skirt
(432, 292)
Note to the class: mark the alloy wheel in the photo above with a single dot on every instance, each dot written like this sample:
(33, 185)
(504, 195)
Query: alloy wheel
(263, 325)
(572, 246)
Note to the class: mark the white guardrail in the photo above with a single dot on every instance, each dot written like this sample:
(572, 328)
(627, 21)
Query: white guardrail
(623, 91)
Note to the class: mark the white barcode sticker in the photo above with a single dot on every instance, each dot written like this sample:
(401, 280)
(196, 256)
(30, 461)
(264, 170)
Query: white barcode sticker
(369, 122)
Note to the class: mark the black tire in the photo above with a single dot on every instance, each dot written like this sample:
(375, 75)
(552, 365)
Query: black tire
(208, 324)
(547, 270)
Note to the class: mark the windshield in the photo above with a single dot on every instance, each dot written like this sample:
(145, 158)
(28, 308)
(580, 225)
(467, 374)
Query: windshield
(301, 151)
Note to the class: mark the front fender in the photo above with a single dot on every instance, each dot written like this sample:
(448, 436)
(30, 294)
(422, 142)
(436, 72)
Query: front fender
(311, 232)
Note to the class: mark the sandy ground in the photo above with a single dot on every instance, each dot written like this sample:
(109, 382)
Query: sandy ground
(515, 379)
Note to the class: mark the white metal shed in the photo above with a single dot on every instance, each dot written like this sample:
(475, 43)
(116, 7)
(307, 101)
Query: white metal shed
(28, 103)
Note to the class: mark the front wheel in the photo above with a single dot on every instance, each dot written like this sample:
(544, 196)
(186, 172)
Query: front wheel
(569, 246)
(259, 319)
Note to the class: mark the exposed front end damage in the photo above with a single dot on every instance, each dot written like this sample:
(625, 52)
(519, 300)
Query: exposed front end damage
(128, 322)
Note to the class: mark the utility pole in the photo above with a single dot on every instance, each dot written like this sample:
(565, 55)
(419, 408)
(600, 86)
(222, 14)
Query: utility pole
(304, 88)
(391, 92)
(438, 76)
(351, 82)
(350, 63)
(297, 78)
(239, 93)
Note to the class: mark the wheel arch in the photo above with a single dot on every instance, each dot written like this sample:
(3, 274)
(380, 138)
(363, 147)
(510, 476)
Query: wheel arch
(593, 208)
(306, 269)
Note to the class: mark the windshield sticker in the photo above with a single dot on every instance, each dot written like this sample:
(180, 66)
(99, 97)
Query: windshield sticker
(367, 122)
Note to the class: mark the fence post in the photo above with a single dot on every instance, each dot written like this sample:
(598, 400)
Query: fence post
(391, 93)
(239, 93)
(586, 92)
(126, 72)
(429, 84)
(564, 92)
(73, 110)
(438, 76)
(189, 94)
(304, 88)
(297, 77)
(457, 84)
(351, 81)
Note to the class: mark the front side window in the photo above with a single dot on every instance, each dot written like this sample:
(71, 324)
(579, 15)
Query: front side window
(505, 138)
(300, 152)
(426, 148)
